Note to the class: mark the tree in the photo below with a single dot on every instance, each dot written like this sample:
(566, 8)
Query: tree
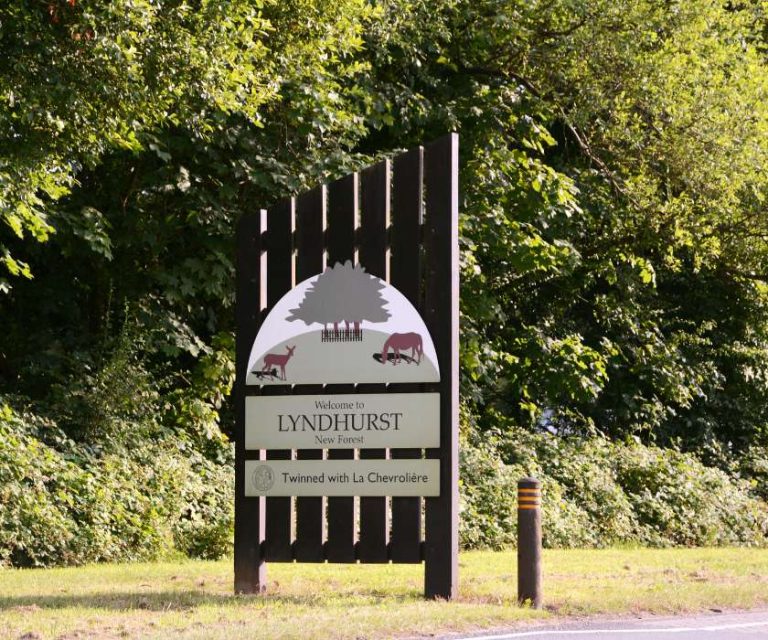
(148, 229)
(342, 292)
(609, 150)
(613, 238)
(78, 79)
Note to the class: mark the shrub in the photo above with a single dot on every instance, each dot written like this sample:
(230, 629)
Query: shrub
(36, 527)
(204, 529)
(70, 505)
(679, 501)
(598, 493)
(487, 516)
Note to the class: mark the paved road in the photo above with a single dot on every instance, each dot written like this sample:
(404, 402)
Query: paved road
(723, 626)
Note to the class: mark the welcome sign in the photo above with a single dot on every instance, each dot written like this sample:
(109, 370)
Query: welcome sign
(346, 446)
(343, 325)
(353, 421)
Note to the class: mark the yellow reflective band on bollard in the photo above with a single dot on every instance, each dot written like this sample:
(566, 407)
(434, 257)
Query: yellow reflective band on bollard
(528, 504)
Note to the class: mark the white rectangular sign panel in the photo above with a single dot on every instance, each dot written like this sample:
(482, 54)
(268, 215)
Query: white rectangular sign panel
(350, 421)
(342, 477)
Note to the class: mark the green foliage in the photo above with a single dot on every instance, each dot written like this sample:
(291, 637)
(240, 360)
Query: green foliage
(611, 222)
(613, 242)
(79, 78)
(65, 503)
(588, 237)
(112, 403)
(101, 478)
(598, 493)
(488, 518)
(196, 409)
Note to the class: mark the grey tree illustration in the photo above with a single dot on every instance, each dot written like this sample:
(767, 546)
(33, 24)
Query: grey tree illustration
(342, 293)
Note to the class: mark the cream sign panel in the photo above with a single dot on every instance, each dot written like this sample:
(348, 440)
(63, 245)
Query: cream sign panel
(354, 421)
(342, 477)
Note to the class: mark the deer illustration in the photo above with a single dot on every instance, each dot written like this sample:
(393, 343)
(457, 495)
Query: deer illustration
(278, 360)
(398, 341)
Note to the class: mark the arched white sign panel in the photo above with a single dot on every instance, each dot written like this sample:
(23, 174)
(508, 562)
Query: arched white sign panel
(339, 327)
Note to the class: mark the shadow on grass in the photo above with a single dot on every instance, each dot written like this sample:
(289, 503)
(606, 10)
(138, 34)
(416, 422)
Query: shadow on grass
(160, 601)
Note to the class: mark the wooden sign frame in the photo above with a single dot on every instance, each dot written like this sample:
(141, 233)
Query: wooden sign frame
(399, 220)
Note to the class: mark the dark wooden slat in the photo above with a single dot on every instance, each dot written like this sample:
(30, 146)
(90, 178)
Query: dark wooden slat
(279, 236)
(310, 227)
(310, 223)
(250, 569)
(405, 268)
(407, 205)
(441, 313)
(374, 218)
(342, 218)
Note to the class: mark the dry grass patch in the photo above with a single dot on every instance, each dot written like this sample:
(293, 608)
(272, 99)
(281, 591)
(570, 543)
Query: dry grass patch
(194, 600)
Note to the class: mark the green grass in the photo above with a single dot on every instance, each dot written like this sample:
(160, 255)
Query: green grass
(193, 599)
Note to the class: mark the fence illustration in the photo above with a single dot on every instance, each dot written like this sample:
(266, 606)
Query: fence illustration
(341, 335)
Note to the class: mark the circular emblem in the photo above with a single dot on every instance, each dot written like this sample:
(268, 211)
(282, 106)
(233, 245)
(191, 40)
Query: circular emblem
(263, 478)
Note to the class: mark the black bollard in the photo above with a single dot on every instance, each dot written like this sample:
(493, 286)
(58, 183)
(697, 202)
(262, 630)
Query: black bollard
(529, 542)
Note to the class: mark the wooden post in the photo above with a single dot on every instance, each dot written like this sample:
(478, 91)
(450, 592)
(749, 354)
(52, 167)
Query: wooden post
(405, 275)
(343, 197)
(310, 228)
(441, 169)
(374, 219)
(280, 266)
(250, 568)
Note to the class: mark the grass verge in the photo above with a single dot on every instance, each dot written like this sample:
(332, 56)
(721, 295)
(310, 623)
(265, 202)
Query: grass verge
(193, 599)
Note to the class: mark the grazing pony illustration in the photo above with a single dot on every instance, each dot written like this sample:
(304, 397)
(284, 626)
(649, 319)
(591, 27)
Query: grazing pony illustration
(278, 360)
(403, 341)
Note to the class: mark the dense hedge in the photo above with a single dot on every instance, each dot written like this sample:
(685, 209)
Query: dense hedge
(63, 502)
(67, 504)
(598, 493)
